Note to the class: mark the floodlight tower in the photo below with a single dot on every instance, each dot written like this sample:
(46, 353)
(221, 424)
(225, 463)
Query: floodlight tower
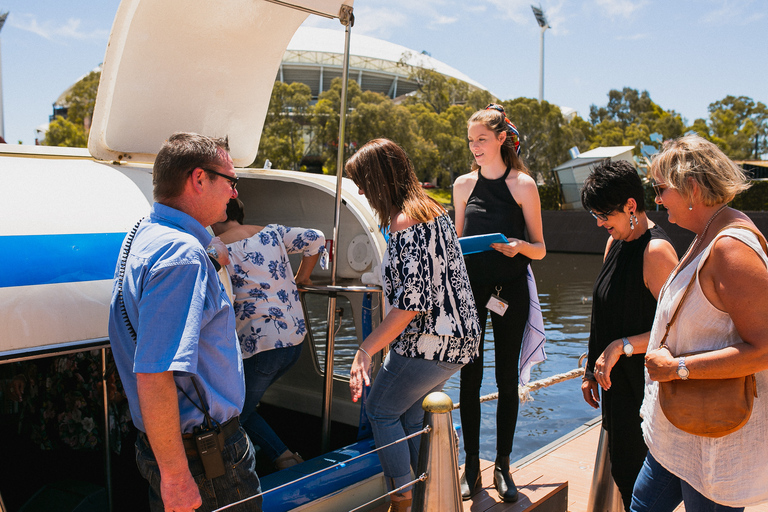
(541, 19)
(3, 16)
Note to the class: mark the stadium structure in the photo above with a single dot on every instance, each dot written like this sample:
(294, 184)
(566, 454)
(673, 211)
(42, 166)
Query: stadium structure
(314, 57)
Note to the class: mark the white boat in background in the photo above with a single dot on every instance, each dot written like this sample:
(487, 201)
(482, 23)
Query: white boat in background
(207, 67)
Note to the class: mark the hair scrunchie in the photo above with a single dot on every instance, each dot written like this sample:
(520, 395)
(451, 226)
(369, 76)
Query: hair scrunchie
(512, 128)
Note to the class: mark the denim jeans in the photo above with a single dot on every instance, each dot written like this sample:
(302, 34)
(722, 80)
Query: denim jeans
(239, 482)
(261, 370)
(658, 490)
(394, 408)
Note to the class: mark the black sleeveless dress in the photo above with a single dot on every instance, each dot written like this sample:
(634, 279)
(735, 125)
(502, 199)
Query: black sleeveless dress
(491, 208)
(623, 306)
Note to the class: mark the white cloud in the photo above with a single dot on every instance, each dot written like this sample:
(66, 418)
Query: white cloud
(740, 13)
(518, 11)
(58, 31)
(620, 8)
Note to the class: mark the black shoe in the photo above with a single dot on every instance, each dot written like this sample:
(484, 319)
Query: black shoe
(502, 480)
(471, 476)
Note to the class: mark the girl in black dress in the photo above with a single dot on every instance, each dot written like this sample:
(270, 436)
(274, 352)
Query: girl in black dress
(498, 196)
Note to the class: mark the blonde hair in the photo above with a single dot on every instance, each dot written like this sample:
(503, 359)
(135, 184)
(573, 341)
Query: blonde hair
(384, 173)
(693, 158)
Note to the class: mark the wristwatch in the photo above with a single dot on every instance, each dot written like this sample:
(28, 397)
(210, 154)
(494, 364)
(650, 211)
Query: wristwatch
(682, 371)
(628, 348)
(212, 252)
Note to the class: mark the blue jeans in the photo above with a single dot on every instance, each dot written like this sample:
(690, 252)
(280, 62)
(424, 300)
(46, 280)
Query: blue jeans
(261, 370)
(239, 482)
(658, 490)
(394, 408)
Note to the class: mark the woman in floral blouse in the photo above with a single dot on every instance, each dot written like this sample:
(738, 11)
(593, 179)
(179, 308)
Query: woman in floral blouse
(431, 324)
(270, 320)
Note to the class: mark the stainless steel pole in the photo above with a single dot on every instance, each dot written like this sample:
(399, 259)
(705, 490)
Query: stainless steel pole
(348, 19)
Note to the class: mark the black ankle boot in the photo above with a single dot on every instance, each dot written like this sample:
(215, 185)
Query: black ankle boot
(502, 480)
(470, 479)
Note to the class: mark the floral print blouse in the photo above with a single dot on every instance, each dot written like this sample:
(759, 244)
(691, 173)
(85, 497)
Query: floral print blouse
(424, 271)
(266, 303)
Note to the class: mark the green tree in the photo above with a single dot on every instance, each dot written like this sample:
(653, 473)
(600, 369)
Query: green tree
(80, 101)
(545, 135)
(63, 132)
(736, 125)
(629, 118)
(286, 124)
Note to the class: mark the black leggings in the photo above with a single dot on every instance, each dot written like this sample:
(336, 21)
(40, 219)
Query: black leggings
(508, 337)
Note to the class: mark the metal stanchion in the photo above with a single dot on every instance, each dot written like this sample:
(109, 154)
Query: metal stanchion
(438, 458)
(604, 496)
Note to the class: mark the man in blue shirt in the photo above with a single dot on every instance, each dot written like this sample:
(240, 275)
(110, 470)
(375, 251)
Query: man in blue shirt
(173, 336)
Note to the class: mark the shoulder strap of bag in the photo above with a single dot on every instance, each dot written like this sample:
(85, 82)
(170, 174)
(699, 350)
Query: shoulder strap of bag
(759, 236)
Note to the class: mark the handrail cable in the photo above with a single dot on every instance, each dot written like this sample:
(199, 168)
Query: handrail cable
(425, 430)
(421, 478)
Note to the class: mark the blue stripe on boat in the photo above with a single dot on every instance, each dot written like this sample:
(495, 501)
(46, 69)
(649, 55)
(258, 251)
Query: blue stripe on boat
(47, 259)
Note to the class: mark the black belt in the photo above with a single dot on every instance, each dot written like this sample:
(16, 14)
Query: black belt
(226, 430)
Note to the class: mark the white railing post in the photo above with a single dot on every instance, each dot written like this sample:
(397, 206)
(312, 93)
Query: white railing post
(438, 458)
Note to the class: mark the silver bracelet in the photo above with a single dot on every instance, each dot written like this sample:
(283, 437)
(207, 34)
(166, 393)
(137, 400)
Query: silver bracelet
(361, 349)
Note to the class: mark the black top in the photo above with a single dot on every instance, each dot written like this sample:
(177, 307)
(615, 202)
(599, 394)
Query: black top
(492, 209)
(623, 306)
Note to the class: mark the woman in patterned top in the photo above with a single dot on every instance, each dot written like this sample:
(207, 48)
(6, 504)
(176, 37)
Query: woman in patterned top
(270, 320)
(431, 324)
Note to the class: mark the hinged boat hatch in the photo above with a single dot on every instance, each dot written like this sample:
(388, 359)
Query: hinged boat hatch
(193, 65)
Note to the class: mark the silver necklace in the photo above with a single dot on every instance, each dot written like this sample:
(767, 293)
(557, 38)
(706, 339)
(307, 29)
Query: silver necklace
(692, 249)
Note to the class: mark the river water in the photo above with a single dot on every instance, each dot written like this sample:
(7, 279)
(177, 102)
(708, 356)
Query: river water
(564, 284)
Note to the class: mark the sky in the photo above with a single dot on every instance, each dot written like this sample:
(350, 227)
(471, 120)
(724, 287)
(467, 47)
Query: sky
(685, 53)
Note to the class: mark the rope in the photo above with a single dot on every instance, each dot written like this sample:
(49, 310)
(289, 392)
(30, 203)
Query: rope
(524, 392)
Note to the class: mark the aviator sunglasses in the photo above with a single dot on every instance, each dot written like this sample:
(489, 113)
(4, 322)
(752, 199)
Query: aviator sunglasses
(658, 187)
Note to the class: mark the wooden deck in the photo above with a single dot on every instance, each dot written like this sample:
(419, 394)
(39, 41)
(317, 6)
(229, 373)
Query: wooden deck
(554, 479)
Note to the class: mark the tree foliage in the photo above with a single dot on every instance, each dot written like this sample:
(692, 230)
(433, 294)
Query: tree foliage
(737, 125)
(282, 140)
(73, 131)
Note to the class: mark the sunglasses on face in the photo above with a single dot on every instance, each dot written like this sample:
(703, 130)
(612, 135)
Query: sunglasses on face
(232, 179)
(600, 216)
(658, 188)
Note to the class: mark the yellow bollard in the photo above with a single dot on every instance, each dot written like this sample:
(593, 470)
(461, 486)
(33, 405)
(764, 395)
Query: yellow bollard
(438, 458)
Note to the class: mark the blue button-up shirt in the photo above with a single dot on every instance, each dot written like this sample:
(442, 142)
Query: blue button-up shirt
(182, 317)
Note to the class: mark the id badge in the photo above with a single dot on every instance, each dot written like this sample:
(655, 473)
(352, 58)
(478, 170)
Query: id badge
(497, 305)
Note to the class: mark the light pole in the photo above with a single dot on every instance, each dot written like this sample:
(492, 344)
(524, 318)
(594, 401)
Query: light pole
(541, 19)
(3, 16)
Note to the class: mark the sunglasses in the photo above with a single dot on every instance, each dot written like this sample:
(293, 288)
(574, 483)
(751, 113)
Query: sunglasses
(658, 188)
(600, 216)
(232, 179)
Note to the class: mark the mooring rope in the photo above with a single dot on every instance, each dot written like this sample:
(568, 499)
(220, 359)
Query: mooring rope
(524, 392)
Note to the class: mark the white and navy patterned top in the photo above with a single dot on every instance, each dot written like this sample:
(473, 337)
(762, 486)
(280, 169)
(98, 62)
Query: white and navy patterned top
(424, 271)
(267, 307)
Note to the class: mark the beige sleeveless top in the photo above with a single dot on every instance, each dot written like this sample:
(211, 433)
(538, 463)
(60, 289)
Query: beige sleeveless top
(730, 470)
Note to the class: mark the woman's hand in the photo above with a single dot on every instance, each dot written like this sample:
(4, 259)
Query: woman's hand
(661, 366)
(510, 249)
(589, 388)
(359, 375)
(606, 362)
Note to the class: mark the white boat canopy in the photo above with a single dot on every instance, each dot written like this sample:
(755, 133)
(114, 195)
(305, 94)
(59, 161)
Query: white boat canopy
(193, 65)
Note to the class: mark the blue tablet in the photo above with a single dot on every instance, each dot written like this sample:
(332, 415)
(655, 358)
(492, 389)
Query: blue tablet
(480, 243)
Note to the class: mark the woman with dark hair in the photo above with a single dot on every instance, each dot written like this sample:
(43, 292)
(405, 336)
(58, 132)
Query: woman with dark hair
(720, 331)
(270, 320)
(638, 258)
(431, 324)
(497, 196)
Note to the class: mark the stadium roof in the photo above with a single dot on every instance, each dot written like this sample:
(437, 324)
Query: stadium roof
(314, 57)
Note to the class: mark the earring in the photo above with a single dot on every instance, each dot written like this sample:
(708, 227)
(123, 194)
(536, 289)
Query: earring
(690, 206)
(632, 218)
